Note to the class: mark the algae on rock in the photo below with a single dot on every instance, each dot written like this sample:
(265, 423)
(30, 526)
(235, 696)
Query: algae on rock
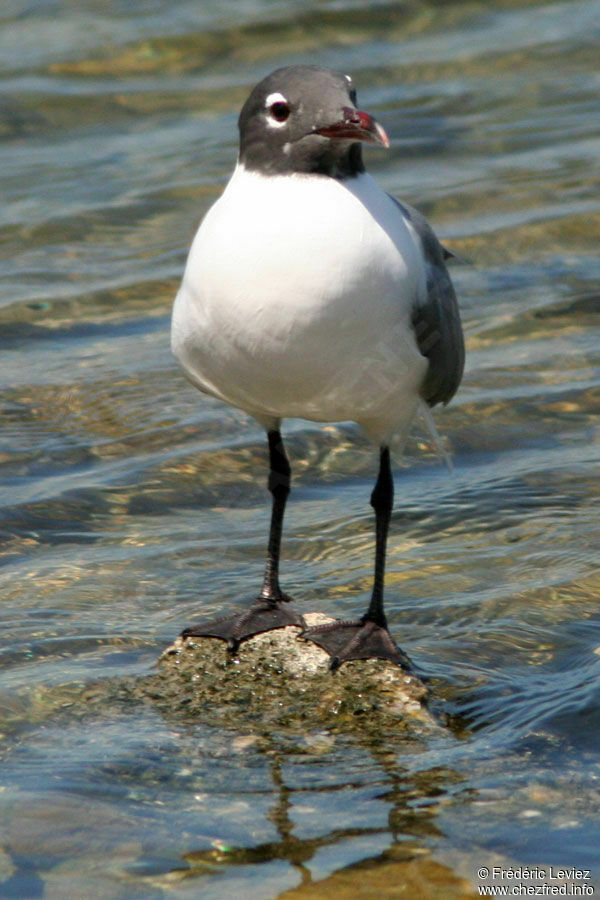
(278, 679)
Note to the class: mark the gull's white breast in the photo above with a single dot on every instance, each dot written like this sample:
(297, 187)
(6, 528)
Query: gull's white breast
(296, 301)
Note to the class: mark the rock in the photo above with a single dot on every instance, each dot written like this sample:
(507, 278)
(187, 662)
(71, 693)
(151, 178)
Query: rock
(279, 679)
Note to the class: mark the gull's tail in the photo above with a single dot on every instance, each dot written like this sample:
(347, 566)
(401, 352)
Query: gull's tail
(435, 435)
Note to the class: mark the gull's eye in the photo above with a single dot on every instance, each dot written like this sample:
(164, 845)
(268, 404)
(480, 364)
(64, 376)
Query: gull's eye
(351, 89)
(279, 111)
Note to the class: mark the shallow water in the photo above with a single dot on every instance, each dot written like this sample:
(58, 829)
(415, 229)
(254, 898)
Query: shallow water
(131, 504)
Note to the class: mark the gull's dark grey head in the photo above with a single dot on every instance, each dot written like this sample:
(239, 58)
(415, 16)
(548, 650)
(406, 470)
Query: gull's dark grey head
(304, 119)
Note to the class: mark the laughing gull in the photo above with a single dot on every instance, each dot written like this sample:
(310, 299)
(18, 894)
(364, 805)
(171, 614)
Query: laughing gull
(309, 292)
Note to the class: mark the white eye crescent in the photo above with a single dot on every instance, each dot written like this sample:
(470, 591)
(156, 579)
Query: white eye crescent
(278, 109)
(351, 88)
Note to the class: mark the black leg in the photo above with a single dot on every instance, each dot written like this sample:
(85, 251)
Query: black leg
(268, 610)
(368, 637)
(279, 486)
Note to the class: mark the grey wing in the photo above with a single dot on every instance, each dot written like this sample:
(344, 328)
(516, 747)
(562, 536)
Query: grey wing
(436, 319)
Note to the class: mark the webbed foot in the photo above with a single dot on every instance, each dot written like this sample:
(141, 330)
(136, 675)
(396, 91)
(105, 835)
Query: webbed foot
(263, 615)
(361, 639)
